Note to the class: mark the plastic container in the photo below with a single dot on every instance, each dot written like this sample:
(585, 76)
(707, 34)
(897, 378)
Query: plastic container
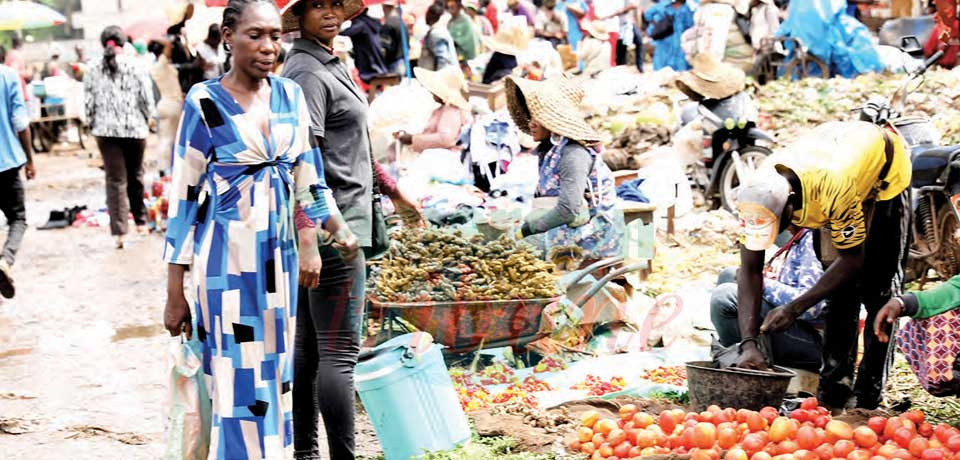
(740, 388)
(408, 394)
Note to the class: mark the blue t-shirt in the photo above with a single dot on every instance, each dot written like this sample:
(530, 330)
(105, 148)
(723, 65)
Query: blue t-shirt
(13, 119)
(574, 34)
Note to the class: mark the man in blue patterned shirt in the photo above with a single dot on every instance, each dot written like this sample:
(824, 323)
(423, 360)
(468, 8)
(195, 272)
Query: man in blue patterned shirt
(792, 271)
(16, 153)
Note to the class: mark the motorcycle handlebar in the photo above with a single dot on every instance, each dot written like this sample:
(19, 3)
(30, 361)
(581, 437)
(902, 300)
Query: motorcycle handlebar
(931, 61)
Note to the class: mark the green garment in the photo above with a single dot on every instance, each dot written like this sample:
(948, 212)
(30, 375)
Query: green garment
(464, 36)
(940, 299)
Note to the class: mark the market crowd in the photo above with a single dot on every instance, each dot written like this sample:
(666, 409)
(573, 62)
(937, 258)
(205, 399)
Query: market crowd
(275, 195)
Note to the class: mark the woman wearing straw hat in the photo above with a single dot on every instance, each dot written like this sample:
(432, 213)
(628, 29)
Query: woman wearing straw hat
(446, 122)
(571, 170)
(509, 42)
(594, 52)
(330, 306)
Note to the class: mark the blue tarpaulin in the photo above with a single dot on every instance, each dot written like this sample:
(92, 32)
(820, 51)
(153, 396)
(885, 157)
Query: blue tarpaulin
(831, 34)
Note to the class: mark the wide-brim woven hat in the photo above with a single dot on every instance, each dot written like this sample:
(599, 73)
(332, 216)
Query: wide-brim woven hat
(711, 79)
(512, 40)
(447, 83)
(291, 23)
(597, 29)
(553, 103)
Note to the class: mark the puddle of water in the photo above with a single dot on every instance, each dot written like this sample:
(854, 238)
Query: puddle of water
(136, 332)
(15, 352)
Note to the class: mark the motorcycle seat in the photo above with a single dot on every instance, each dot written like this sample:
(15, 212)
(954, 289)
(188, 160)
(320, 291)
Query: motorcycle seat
(928, 164)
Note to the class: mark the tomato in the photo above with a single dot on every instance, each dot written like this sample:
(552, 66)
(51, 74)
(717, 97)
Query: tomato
(667, 422)
(809, 404)
(785, 457)
(804, 454)
(954, 443)
(843, 447)
(704, 435)
(903, 436)
(801, 415)
(914, 416)
(781, 429)
(730, 415)
(622, 450)
(893, 424)
(902, 454)
(589, 418)
(877, 457)
(943, 432)
(605, 426)
(605, 450)
(704, 454)
(807, 438)
(584, 434)
(598, 439)
(877, 424)
(634, 452)
(787, 447)
(821, 421)
(753, 443)
(932, 454)
(627, 411)
(925, 429)
(864, 436)
(887, 450)
(574, 445)
(755, 421)
(917, 446)
(824, 451)
(643, 420)
(727, 438)
(587, 448)
(616, 437)
(735, 454)
(837, 430)
(761, 456)
(859, 454)
(769, 413)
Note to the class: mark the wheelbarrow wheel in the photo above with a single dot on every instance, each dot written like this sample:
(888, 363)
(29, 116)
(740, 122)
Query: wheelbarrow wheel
(806, 67)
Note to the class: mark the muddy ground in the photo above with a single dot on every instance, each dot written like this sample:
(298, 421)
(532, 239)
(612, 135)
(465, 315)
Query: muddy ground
(82, 368)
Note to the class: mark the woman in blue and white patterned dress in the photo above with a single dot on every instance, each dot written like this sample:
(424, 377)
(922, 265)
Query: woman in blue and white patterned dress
(244, 157)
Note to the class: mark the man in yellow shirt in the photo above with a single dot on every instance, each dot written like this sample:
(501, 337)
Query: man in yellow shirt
(851, 180)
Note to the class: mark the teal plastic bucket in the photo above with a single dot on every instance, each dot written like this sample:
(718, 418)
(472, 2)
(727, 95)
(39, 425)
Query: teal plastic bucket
(406, 390)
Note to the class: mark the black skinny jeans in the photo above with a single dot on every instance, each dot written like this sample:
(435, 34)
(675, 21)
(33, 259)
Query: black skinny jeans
(12, 205)
(326, 350)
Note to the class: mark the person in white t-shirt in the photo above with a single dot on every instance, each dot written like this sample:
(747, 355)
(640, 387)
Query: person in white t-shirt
(625, 18)
(211, 53)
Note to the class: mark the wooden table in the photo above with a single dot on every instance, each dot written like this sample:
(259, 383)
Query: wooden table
(44, 130)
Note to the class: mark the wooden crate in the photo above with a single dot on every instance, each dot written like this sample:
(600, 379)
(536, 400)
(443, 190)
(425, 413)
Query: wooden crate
(494, 94)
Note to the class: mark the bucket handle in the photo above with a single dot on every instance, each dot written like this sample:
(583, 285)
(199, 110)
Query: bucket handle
(420, 343)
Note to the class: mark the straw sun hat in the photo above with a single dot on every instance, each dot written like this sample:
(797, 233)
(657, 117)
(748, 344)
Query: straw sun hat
(711, 79)
(512, 40)
(597, 29)
(551, 103)
(447, 83)
(291, 23)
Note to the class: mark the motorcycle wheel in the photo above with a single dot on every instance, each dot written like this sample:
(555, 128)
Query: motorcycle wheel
(947, 259)
(750, 156)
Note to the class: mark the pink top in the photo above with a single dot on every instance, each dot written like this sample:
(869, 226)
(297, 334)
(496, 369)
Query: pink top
(443, 129)
(388, 186)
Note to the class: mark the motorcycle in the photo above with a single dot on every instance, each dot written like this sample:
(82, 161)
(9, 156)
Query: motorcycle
(732, 144)
(935, 182)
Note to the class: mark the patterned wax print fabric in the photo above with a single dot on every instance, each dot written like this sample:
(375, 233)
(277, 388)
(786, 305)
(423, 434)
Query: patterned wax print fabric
(932, 350)
(602, 235)
(231, 220)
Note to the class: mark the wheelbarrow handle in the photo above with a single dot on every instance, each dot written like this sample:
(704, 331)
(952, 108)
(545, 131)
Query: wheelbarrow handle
(599, 284)
(599, 265)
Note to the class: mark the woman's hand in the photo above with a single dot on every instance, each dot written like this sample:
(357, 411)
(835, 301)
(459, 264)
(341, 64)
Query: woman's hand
(176, 315)
(403, 137)
(409, 211)
(347, 245)
(310, 261)
(887, 315)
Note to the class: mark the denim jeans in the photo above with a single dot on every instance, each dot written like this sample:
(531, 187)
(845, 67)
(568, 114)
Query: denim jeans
(798, 347)
(13, 208)
(327, 346)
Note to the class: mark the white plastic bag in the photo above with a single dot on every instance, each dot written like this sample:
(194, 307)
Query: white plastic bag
(188, 405)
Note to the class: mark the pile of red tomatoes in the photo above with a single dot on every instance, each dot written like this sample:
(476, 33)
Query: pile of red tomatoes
(809, 433)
